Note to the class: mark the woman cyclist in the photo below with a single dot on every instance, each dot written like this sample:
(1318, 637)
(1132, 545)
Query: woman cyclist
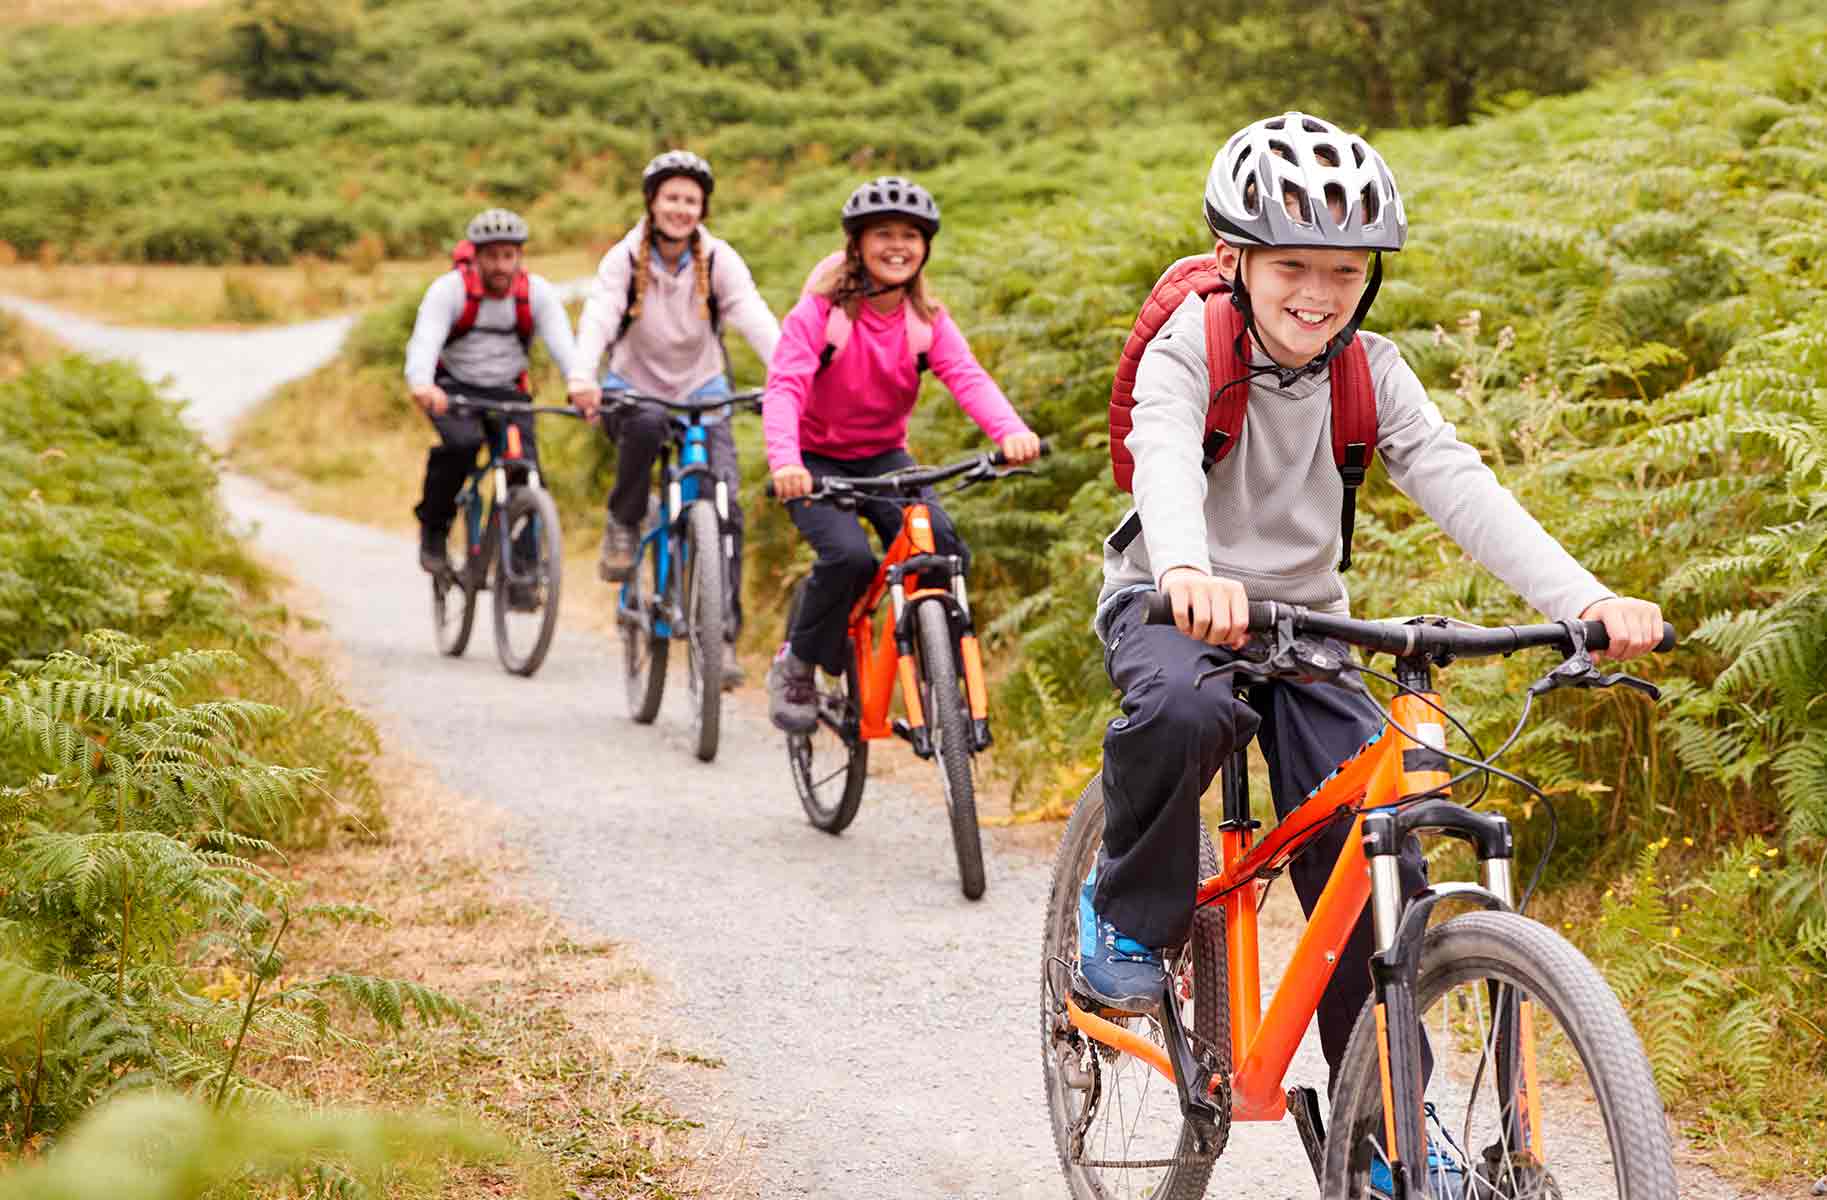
(840, 389)
(658, 304)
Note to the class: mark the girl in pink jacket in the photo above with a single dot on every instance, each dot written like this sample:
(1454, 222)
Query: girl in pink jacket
(840, 388)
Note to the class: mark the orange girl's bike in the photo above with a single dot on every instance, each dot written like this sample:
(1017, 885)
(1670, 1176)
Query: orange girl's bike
(928, 646)
(1491, 1060)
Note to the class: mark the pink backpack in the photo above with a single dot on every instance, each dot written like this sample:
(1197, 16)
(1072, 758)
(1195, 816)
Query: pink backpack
(838, 324)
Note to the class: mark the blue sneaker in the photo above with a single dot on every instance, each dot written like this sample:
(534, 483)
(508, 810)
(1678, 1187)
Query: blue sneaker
(1445, 1176)
(1116, 971)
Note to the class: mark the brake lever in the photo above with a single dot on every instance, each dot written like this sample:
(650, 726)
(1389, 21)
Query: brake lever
(1298, 660)
(1579, 671)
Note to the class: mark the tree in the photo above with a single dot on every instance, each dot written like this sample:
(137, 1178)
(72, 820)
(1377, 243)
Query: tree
(1395, 62)
(288, 49)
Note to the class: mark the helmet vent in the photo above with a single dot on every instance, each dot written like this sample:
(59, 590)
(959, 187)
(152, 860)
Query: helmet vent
(1251, 199)
(1327, 154)
(1275, 123)
(1357, 153)
(1372, 206)
(1312, 126)
(1296, 202)
(1335, 203)
(1282, 149)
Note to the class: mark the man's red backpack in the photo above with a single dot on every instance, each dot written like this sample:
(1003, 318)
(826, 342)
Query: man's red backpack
(463, 258)
(1354, 401)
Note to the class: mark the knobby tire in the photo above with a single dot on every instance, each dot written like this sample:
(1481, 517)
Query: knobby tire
(1199, 968)
(453, 595)
(829, 768)
(643, 654)
(526, 503)
(701, 586)
(949, 723)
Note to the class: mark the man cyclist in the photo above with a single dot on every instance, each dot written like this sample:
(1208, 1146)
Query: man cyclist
(471, 339)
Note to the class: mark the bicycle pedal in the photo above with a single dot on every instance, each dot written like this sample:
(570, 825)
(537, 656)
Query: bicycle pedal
(1081, 996)
(1303, 1103)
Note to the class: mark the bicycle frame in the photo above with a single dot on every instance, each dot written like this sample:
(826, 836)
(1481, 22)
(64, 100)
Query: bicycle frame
(504, 451)
(684, 485)
(1384, 773)
(912, 572)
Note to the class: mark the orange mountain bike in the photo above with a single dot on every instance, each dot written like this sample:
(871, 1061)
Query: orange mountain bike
(1491, 1056)
(928, 646)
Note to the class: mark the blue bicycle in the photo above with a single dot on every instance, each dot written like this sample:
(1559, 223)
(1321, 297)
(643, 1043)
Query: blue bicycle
(678, 590)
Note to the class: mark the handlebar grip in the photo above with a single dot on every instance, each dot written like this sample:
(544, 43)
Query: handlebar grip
(1046, 448)
(1598, 639)
(767, 489)
(1158, 611)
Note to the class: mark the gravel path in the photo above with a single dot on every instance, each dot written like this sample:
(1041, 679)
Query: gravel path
(877, 1030)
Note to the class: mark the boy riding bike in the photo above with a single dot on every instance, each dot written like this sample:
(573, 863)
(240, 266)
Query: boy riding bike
(659, 302)
(471, 338)
(1301, 209)
(840, 388)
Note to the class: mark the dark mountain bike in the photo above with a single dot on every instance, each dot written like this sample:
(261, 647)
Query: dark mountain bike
(928, 646)
(505, 541)
(1491, 1062)
(680, 587)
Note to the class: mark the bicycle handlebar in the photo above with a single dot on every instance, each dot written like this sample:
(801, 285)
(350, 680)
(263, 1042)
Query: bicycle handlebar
(510, 409)
(835, 487)
(749, 399)
(1405, 640)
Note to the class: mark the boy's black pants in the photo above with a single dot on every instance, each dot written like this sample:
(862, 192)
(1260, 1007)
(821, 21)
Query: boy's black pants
(1163, 753)
(460, 437)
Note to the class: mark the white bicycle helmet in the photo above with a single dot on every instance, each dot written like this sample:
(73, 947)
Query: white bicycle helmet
(1278, 181)
(891, 196)
(673, 163)
(496, 225)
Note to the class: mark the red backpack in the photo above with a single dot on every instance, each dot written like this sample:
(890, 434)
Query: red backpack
(463, 258)
(1354, 401)
(838, 324)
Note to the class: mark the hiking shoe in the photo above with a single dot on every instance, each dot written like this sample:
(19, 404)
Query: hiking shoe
(734, 676)
(1446, 1178)
(433, 558)
(615, 561)
(792, 695)
(1114, 969)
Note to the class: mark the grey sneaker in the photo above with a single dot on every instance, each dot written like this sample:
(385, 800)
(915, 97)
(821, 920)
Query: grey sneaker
(733, 674)
(792, 695)
(433, 558)
(615, 561)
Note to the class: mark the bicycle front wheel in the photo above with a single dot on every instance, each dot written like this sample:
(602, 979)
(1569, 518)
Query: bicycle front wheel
(1539, 1088)
(528, 580)
(1116, 1122)
(831, 763)
(948, 718)
(701, 584)
(453, 592)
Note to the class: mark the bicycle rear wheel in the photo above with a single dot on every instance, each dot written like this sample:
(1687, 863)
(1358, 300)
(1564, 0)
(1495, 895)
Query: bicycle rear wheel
(1595, 1127)
(1116, 1122)
(701, 585)
(831, 763)
(453, 592)
(528, 580)
(643, 653)
(948, 718)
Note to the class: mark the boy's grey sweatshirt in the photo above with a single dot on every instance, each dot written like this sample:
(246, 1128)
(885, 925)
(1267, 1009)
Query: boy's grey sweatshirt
(1268, 514)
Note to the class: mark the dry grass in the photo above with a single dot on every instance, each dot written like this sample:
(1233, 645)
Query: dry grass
(566, 1058)
(80, 12)
(197, 296)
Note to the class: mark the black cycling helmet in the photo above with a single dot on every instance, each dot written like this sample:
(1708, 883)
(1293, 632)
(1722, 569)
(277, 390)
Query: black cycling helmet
(891, 196)
(674, 163)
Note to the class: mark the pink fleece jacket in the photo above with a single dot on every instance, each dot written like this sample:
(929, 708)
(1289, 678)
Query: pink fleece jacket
(859, 405)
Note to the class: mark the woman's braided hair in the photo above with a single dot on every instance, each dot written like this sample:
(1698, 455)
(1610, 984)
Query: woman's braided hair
(700, 268)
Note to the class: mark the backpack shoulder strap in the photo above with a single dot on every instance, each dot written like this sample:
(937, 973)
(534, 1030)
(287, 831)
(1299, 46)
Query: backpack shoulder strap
(634, 264)
(1228, 376)
(919, 340)
(463, 261)
(523, 308)
(1354, 433)
(711, 300)
(837, 335)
